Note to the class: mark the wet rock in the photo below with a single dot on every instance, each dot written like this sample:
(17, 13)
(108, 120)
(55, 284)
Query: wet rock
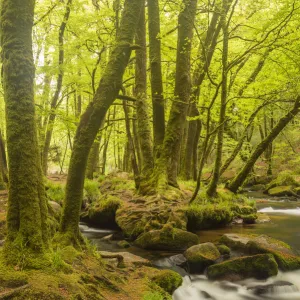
(199, 257)
(274, 288)
(167, 239)
(259, 266)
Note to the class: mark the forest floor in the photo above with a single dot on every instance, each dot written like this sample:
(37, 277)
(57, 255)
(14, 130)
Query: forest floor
(76, 274)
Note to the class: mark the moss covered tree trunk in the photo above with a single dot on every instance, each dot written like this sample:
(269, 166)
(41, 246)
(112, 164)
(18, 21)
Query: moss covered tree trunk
(27, 207)
(167, 165)
(93, 160)
(212, 188)
(156, 75)
(142, 112)
(262, 147)
(206, 53)
(107, 91)
(3, 160)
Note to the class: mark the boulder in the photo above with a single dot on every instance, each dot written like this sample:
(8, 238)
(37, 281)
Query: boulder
(123, 244)
(199, 257)
(223, 249)
(171, 239)
(261, 266)
(103, 212)
(281, 191)
(168, 280)
(285, 257)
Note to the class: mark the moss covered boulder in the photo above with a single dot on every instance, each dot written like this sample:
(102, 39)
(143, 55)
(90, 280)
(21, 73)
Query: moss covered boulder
(168, 238)
(281, 191)
(103, 212)
(285, 257)
(259, 266)
(223, 249)
(199, 257)
(168, 280)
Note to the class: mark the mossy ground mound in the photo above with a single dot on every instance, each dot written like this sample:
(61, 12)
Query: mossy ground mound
(259, 266)
(168, 238)
(87, 277)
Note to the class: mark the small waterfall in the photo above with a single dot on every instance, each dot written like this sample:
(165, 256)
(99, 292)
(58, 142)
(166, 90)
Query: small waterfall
(285, 286)
(291, 211)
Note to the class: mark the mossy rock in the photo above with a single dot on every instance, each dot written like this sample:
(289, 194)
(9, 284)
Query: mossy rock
(286, 258)
(123, 244)
(261, 266)
(168, 238)
(249, 219)
(208, 216)
(223, 249)
(199, 257)
(103, 212)
(285, 178)
(281, 191)
(168, 280)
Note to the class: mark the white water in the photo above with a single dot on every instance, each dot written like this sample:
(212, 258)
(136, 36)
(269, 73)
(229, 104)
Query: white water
(270, 210)
(199, 288)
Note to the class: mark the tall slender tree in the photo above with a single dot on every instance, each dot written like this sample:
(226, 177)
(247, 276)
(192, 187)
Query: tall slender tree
(90, 122)
(27, 208)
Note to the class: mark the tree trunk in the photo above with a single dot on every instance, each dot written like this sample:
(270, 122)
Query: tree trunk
(27, 207)
(143, 128)
(156, 76)
(263, 145)
(52, 117)
(172, 142)
(93, 160)
(108, 89)
(212, 188)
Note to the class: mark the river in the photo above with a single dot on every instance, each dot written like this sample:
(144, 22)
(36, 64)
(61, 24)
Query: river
(284, 225)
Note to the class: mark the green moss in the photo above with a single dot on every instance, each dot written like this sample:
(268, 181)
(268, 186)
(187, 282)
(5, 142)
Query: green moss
(208, 216)
(103, 212)
(285, 178)
(199, 257)
(167, 239)
(280, 191)
(168, 280)
(223, 249)
(259, 266)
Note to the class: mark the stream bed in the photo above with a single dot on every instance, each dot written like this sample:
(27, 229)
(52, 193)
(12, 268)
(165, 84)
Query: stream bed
(284, 225)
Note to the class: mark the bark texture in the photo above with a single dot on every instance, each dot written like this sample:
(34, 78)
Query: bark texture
(27, 208)
(90, 122)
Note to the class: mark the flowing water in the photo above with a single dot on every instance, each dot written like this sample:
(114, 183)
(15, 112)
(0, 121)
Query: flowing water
(284, 225)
